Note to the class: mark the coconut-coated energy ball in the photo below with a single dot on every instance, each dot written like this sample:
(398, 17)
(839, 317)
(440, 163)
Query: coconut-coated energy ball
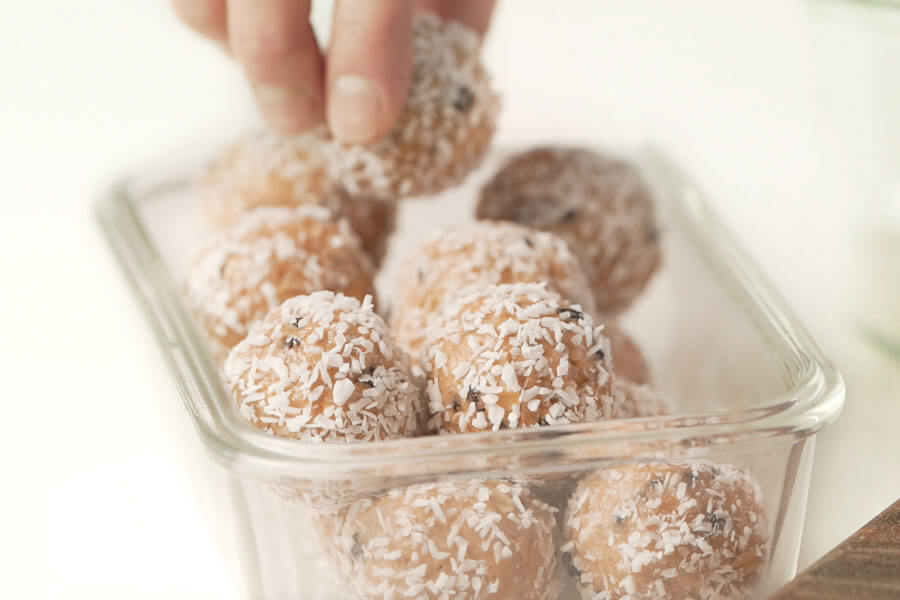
(628, 359)
(267, 169)
(467, 539)
(268, 256)
(456, 261)
(513, 356)
(324, 368)
(638, 399)
(444, 129)
(600, 205)
(658, 531)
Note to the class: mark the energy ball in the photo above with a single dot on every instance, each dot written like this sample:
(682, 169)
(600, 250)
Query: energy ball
(265, 258)
(628, 359)
(657, 531)
(324, 368)
(266, 169)
(456, 261)
(458, 539)
(600, 205)
(444, 129)
(372, 219)
(514, 356)
(638, 399)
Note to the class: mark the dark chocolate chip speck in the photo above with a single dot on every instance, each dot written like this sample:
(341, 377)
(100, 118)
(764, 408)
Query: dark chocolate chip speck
(464, 99)
(366, 376)
(356, 552)
(570, 314)
(690, 477)
(573, 570)
(568, 216)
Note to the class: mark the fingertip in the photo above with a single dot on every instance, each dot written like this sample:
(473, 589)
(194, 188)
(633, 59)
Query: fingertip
(357, 110)
(368, 70)
(289, 110)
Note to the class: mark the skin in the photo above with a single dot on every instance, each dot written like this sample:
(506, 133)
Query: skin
(358, 85)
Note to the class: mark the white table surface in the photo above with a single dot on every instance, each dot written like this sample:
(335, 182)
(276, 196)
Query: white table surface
(92, 503)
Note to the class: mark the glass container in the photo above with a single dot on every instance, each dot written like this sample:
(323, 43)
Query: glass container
(752, 390)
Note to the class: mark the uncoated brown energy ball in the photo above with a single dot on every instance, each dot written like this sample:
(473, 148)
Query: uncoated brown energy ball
(515, 356)
(469, 539)
(459, 260)
(442, 132)
(267, 169)
(323, 367)
(600, 205)
(658, 531)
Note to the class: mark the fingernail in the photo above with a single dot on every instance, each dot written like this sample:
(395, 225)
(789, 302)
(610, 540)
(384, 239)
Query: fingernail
(288, 110)
(354, 108)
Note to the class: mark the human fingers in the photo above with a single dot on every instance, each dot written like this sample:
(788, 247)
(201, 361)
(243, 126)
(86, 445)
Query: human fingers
(368, 70)
(275, 44)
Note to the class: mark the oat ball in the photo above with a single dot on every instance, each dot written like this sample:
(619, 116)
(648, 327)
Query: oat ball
(268, 256)
(628, 359)
(638, 399)
(600, 205)
(463, 539)
(267, 169)
(324, 368)
(514, 356)
(659, 531)
(442, 132)
(456, 261)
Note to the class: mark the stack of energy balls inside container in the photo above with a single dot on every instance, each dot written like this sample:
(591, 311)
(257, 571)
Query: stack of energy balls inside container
(506, 323)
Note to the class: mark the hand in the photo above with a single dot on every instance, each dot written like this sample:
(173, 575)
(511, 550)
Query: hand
(359, 86)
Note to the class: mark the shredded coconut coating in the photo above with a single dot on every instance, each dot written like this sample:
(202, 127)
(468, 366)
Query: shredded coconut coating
(322, 498)
(469, 539)
(265, 258)
(458, 261)
(638, 399)
(600, 205)
(628, 359)
(324, 368)
(446, 125)
(514, 356)
(267, 169)
(658, 531)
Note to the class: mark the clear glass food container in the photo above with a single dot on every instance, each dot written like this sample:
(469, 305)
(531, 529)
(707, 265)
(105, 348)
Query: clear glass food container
(751, 388)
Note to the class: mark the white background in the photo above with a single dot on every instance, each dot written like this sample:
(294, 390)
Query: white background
(92, 503)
